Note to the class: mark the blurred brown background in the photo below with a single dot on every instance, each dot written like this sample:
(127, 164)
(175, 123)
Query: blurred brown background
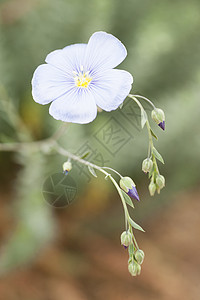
(74, 252)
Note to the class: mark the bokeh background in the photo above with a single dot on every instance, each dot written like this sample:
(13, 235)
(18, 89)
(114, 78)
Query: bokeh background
(74, 253)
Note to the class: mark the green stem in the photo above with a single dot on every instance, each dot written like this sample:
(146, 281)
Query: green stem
(35, 145)
(147, 125)
(134, 239)
(113, 171)
(144, 98)
(150, 139)
(87, 163)
(52, 142)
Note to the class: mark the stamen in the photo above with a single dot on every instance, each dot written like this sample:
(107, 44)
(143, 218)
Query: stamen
(82, 79)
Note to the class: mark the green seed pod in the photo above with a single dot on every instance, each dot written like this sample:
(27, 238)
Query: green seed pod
(126, 238)
(134, 268)
(152, 188)
(139, 256)
(160, 181)
(147, 165)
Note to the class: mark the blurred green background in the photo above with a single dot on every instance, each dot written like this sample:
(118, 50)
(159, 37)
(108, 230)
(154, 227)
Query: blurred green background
(74, 252)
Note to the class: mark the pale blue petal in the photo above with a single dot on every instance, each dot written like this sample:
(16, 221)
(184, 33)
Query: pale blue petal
(48, 83)
(68, 59)
(104, 51)
(110, 88)
(76, 106)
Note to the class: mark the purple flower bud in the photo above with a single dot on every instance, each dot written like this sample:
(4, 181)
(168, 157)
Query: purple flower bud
(162, 125)
(133, 193)
(159, 117)
(127, 184)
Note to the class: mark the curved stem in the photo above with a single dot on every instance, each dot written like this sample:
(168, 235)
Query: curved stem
(147, 125)
(107, 168)
(87, 163)
(144, 98)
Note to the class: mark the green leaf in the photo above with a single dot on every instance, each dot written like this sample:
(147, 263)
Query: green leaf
(92, 171)
(85, 155)
(127, 199)
(153, 134)
(157, 155)
(143, 117)
(135, 225)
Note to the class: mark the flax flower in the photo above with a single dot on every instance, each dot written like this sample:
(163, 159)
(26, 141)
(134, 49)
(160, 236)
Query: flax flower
(79, 78)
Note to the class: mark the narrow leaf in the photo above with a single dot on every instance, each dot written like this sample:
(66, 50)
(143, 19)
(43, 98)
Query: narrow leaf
(143, 117)
(127, 199)
(85, 155)
(158, 155)
(135, 225)
(92, 171)
(153, 134)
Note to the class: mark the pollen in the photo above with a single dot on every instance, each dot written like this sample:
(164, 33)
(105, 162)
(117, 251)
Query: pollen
(82, 79)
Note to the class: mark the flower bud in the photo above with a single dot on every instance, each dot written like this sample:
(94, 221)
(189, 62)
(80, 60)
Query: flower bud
(159, 117)
(147, 165)
(127, 184)
(160, 181)
(126, 238)
(134, 268)
(152, 188)
(67, 166)
(139, 256)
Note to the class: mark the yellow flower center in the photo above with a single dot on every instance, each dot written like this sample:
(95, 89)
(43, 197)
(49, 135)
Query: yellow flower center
(82, 79)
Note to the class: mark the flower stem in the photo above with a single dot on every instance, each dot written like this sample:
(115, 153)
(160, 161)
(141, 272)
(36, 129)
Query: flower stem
(144, 98)
(147, 125)
(113, 171)
(52, 142)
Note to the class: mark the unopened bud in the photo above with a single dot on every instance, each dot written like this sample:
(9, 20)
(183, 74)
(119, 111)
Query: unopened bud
(152, 188)
(67, 166)
(147, 165)
(126, 238)
(127, 184)
(134, 268)
(159, 117)
(160, 181)
(139, 256)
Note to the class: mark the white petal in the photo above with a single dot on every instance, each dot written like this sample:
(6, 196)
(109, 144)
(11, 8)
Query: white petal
(48, 83)
(104, 51)
(110, 88)
(76, 106)
(68, 59)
